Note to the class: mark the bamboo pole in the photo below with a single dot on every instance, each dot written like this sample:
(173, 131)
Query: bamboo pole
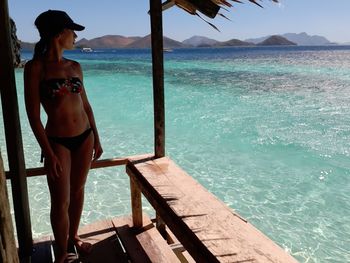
(158, 77)
(14, 137)
(8, 250)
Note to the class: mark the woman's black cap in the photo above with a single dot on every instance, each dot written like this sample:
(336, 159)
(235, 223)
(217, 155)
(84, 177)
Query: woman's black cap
(54, 21)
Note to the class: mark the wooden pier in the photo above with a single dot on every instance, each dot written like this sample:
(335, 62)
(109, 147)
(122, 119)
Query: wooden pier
(114, 240)
(197, 226)
(191, 224)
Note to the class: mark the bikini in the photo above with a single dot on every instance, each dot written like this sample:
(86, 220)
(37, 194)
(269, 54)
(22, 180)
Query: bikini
(57, 87)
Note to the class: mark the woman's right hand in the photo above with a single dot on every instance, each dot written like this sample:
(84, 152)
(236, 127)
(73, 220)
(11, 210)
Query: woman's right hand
(53, 166)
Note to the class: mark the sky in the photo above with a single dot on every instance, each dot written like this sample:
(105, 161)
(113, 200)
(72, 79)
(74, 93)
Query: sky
(328, 18)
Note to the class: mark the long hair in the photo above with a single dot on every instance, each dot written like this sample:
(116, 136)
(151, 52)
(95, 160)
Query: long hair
(40, 48)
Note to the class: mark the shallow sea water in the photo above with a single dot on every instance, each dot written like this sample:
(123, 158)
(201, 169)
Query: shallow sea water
(267, 130)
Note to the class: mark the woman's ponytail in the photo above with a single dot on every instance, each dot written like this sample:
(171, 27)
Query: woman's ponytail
(40, 48)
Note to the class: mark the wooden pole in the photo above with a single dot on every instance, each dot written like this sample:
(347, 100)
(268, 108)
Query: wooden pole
(14, 137)
(158, 77)
(136, 204)
(8, 250)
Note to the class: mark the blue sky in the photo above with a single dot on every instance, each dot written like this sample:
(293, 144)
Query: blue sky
(329, 18)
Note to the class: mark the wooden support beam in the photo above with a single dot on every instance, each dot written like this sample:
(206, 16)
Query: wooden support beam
(158, 77)
(14, 137)
(136, 204)
(8, 250)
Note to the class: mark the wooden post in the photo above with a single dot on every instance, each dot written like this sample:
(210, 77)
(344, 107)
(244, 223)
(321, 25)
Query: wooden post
(14, 137)
(8, 250)
(158, 77)
(136, 204)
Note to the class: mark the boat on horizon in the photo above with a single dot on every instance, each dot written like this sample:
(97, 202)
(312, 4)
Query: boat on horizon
(87, 49)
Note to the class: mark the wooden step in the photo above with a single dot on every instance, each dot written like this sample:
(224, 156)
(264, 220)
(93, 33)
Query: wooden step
(106, 247)
(144, 244)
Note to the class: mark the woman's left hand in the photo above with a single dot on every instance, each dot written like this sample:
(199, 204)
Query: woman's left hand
(97, 151)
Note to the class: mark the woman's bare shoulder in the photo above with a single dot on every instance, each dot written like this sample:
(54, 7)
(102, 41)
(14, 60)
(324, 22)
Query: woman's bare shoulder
(33, 66)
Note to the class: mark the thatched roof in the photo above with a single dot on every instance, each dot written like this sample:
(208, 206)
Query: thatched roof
(209, 8)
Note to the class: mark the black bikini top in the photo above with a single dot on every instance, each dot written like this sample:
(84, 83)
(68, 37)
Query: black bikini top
(57, 87)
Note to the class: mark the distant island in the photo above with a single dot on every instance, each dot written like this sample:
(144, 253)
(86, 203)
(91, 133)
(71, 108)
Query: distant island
(118, 41)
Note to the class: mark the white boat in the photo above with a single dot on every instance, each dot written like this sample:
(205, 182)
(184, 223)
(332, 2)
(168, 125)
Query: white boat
(86, 49)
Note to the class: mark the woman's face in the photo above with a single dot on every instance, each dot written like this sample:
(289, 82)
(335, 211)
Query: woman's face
(67, 38)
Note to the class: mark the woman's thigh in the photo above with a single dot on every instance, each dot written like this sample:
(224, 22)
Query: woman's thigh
(81, 162)
(60, 186)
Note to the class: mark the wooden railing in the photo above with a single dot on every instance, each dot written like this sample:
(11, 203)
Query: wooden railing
(98, 164)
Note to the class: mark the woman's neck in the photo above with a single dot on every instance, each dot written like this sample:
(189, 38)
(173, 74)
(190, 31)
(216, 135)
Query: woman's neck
(54, 53)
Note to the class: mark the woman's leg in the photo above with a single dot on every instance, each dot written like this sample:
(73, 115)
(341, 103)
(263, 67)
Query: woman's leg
(80, 165)
(60, 198)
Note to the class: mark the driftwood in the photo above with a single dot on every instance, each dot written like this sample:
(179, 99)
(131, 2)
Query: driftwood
(8, 250)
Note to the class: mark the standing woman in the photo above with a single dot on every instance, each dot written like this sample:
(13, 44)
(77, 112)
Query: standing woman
(70, 140)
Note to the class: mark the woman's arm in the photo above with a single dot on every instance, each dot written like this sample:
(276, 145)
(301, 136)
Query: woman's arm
(32, 76)
(87, 107)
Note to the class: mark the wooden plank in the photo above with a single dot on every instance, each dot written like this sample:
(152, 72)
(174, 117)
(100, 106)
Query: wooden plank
(198, 218)
(98, 164)
(180, 252)
(13, 134)
(144, 244)
(186, 236)
(8, 250)
(158, 76)
(106, 247)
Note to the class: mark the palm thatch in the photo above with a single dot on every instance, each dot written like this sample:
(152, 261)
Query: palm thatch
(209, 8)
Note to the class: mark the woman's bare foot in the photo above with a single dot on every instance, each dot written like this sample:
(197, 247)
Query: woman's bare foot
(82, 247)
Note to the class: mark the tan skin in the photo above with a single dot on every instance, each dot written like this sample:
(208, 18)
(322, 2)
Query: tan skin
(69, 115)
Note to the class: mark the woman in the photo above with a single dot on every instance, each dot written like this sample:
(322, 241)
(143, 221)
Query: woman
(70, 140)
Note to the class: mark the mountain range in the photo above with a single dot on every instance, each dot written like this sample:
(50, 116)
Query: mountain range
(301, 39)
(195, 41)
(118, 41)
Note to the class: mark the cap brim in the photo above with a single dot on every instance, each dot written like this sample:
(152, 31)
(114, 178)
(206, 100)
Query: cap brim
(76, 27)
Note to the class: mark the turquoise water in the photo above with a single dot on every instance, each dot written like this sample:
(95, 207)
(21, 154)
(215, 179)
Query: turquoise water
(267, 130)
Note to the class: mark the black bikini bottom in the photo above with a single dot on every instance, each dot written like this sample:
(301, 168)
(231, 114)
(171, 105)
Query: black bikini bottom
(71, 143)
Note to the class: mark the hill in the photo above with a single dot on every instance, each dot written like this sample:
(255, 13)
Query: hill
(108, 41)
(276, 41)
(234, 43)
(145, 42)
(302, 39)
(200, 41)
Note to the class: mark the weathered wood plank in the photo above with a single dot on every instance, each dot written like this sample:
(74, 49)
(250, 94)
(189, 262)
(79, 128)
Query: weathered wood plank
(180, 251)
(186, 236)
(13, 134)
(8, 250)
(158, 76)
(106, 247)
(143, 244)
(98, 164)
(198, 218)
